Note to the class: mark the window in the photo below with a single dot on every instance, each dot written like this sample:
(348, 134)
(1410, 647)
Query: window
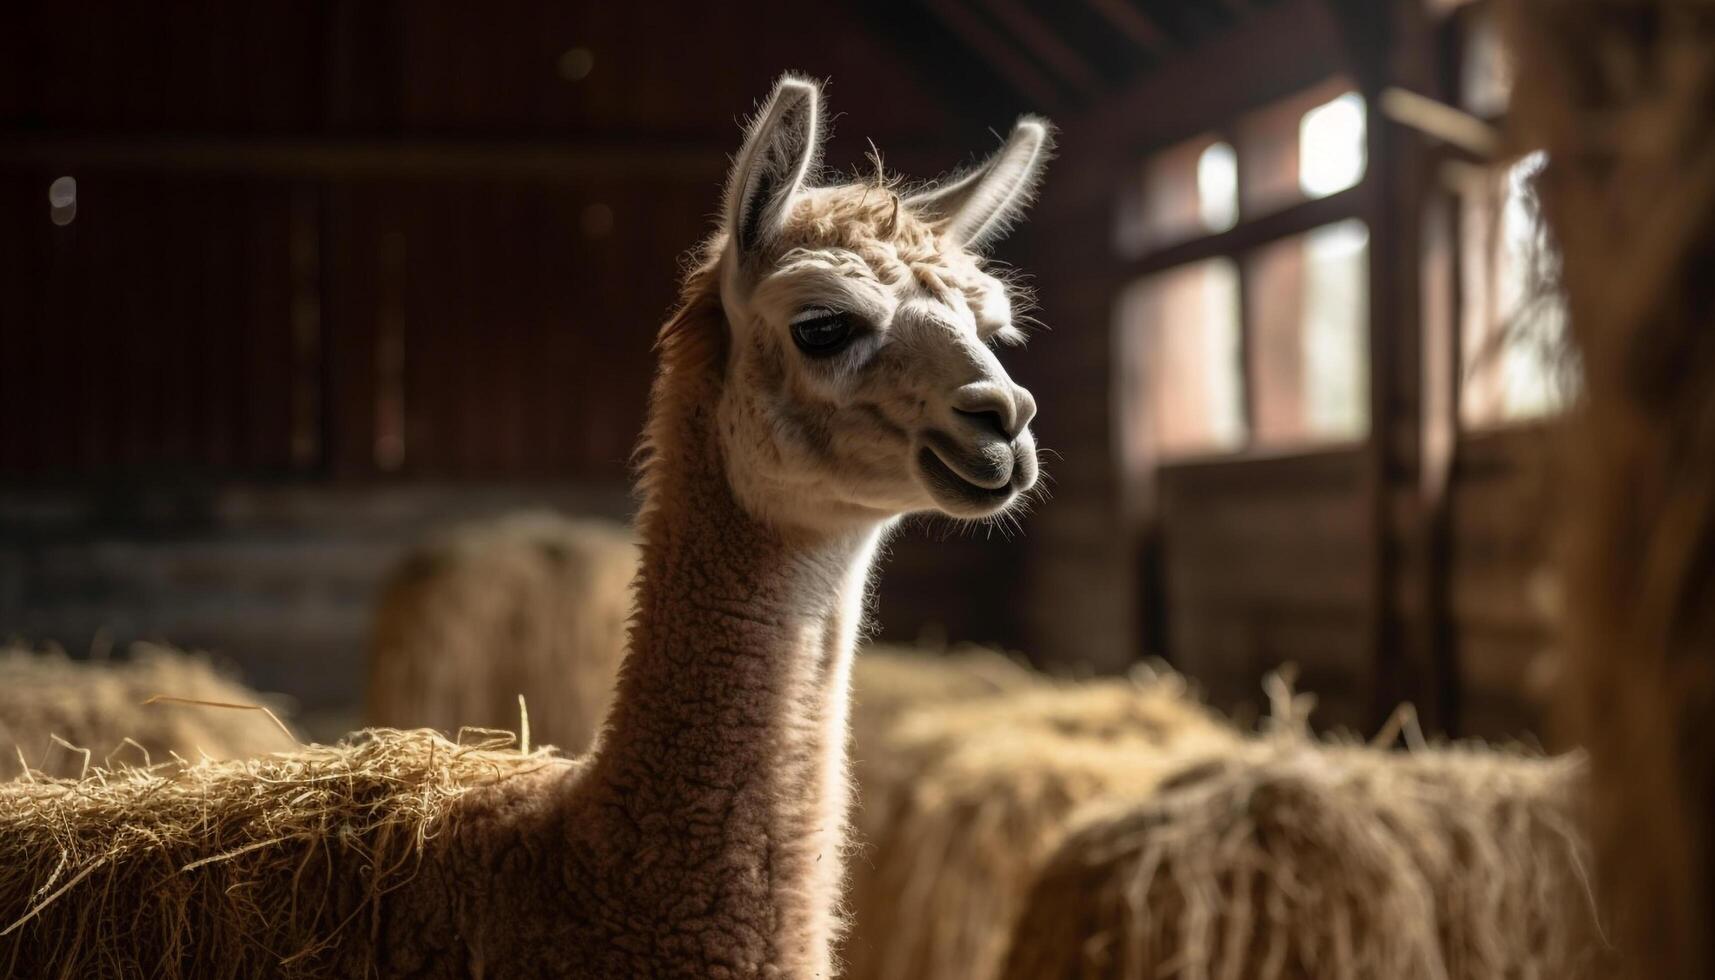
(1187, 191)
(1309, 313)
(1331, 151)
(1511, 324)
(1218, 186)
(1239, 333)
(1181, 329)
(1309, 146)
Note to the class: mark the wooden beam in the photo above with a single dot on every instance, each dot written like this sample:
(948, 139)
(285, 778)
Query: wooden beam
(940, 61)
(1446, 8)
(1042, 42)
(1441, 121)
(1136, 25)
(287, 157)
(988, 43)
(1255, 233)
(1440, 376)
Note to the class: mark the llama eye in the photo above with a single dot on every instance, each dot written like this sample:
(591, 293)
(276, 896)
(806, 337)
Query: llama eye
(820, 332)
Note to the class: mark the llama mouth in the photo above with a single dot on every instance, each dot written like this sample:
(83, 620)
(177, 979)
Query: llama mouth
(946, 484)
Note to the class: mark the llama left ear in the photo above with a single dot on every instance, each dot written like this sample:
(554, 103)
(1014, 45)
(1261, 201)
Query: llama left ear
(779, 154)
(977, 208)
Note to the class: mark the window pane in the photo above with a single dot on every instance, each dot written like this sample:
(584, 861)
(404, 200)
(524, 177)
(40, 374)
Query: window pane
(1307, 145)
(1218, 186)
(1186, 191)
(1181, 345)
(1512, 324)
(1331, 150)
(1309, 315)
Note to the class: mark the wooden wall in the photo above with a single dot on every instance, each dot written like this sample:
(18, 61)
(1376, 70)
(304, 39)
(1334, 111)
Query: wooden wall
(1502, 546)
(386, 264)
(304, 229)
(382, 265)
(1266, 563)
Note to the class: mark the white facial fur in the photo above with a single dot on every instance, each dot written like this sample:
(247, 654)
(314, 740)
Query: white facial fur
(911, 410)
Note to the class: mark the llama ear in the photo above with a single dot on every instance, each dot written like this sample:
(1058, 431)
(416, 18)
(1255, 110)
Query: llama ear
(977, 208)
(779, 154)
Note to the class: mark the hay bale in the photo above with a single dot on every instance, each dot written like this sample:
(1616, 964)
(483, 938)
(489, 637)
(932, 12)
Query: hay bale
(1293, 859)
(889, 680)
(1154, 705)
(274, 866)
(51, 707)
(1620, 94)
(960, 801)
(532, 604)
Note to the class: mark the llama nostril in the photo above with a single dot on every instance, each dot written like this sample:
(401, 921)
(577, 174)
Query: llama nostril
(1001, 408)
(988, 419)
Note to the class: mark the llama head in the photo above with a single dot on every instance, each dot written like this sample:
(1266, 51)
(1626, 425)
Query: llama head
(860, 376)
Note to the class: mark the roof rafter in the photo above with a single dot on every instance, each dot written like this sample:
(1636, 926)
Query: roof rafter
(1136, 25)
(1041, 40)
(995, 49)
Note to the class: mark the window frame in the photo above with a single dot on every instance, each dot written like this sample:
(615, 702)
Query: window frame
(1249, 234)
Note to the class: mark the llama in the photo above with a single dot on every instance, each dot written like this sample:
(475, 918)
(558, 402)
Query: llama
(829, 371)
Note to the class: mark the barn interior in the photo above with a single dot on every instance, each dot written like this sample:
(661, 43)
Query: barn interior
(326, 278)
(1369, 501)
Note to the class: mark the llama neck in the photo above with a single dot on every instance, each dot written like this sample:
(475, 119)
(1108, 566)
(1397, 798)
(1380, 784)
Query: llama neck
(724, 759)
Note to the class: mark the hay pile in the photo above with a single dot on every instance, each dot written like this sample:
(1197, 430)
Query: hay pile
(59, 715)
(1295, 859)
(889, 680)
(1621, 94)
(533, 604)
(960, 800)
(272, 867)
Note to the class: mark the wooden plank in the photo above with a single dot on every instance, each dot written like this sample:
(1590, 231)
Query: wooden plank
(1254, 233)
(350, 245)
(333, 158)
(1140, 28)
(1042, 42)
(1258, 472)
(29, 273)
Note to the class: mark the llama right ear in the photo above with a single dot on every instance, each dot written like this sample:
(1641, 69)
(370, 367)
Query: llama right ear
(779, 154)
(978, 207)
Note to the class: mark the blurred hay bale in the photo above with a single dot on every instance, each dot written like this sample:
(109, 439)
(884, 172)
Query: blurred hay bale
(98, 706)
(1620, 95)
(533, 604)
(266, 867)
(961, 799)
(1293, 859)
(889, 680)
